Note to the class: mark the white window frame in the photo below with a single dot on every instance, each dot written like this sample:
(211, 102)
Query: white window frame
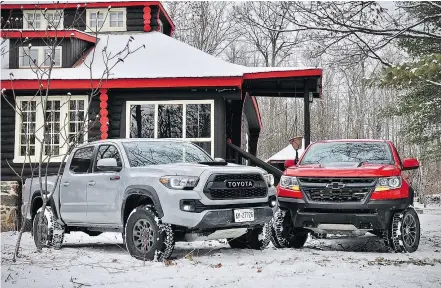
(43, 20)
(184, 104)
(106, 25)
(64, 112)
(41, 56)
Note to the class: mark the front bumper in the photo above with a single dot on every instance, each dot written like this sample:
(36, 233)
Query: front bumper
(371, 215)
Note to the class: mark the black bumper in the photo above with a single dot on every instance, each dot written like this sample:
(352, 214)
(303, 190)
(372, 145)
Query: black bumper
(372, 215)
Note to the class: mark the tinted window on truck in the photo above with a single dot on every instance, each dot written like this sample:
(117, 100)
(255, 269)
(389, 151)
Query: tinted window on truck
(81, 160)
(108, 151)
(356, 152)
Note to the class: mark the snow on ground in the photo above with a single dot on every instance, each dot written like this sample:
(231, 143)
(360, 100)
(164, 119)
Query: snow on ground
(344, 262)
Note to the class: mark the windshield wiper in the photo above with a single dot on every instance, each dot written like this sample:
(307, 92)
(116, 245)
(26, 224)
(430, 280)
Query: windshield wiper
(213, 163)
(361, 163)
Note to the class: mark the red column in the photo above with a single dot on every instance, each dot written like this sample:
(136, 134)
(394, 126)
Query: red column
(147, 17)
(104, 120)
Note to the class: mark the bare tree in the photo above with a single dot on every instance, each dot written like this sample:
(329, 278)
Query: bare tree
(51, 135)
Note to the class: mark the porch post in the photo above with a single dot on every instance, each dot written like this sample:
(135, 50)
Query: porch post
(306, 114)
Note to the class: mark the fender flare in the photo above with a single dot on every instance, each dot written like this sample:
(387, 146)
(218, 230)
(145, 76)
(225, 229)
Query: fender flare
(51, 203)
(144, 190)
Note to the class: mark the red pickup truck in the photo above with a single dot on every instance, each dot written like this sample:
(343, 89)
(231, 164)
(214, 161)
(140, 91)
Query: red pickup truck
(349, 186)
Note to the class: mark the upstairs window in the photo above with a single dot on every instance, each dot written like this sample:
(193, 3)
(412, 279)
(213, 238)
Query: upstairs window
(42, 20)
(104, 20)
(39, 56)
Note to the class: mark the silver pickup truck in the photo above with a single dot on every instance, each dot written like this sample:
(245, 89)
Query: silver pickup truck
(154, 192)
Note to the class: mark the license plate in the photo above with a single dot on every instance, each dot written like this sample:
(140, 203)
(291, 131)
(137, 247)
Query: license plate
(243, 215)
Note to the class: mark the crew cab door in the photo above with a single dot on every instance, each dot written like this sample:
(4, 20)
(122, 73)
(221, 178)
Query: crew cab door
(73, 197)
(104, 188)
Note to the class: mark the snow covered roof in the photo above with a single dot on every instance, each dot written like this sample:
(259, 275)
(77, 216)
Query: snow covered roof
(287, 153)
(163, 57)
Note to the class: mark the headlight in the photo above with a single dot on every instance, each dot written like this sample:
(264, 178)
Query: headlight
(179, 182)
(388, 183)
(289, 182)
(269, 179)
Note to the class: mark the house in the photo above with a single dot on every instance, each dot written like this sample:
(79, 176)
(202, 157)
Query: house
(166, 89)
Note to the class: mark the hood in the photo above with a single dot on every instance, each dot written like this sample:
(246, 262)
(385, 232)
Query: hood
(343, 170)
(195, 169)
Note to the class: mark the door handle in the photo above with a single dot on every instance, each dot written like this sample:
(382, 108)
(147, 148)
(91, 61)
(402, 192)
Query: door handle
(116, 177)
(91, 183)
(65, 184)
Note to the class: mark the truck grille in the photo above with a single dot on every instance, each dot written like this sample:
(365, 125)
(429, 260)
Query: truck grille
(216, 188)
(337, 189)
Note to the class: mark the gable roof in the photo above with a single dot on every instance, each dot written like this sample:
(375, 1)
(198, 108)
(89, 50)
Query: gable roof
(162, 57)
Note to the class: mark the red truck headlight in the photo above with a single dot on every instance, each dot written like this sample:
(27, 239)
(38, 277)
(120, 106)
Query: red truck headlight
(388, 183)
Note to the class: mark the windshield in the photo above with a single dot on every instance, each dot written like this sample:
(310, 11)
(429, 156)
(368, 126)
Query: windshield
(338, 152)
(143, 153)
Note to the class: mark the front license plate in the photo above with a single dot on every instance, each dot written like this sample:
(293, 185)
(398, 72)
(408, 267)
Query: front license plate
(243, 215)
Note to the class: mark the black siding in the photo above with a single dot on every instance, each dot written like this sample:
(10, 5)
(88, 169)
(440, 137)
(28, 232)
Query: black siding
(75, 18)
(135, 18)
(117, 110)
(71, 50)
(8, 139)
(11, 19)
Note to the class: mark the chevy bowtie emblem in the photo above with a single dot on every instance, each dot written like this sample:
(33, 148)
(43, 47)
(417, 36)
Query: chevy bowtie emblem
(335, 185)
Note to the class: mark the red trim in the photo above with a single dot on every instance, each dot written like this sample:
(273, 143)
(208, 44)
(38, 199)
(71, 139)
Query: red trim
(283, 74)
(48, 34)
(103, 113)
(256, 108)
(282, 192)
(127, 83)
(90, 5)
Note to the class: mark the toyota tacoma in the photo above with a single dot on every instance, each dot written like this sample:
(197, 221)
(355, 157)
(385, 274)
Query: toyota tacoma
(347, 186)
(154, 192)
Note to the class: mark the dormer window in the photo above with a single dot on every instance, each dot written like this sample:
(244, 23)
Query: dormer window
(106, 20)
(39, 56)
(42, 20)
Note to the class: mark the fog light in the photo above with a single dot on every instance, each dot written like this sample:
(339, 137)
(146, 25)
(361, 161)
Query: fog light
(187, 205)
(272, 200)
(273, 203)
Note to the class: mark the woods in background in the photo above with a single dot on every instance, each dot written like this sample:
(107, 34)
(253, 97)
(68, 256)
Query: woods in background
(381, 64)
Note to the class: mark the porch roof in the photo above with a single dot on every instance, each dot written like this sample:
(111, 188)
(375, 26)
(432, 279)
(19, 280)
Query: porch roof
(167, 63)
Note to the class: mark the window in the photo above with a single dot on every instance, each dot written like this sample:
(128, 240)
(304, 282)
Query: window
(106, 20)
(65, 119)
(81, 160)
(191, 120)
(108, 151)
(42, 20)
(39, 56)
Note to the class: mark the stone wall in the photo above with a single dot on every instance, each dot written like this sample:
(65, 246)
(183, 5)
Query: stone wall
(9, 202)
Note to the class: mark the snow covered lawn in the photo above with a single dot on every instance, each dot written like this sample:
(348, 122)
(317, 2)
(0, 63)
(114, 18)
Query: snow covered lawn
(345, 262)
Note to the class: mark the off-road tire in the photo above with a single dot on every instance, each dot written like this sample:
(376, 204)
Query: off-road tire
(283, 234)
(257, 239)
(162, 243)
(51, 233)
(402, 237)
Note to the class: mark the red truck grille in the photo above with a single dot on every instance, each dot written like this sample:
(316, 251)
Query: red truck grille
(337, 189)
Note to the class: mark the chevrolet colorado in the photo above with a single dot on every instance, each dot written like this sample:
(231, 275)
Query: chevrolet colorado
(349, 186)
(155, 192)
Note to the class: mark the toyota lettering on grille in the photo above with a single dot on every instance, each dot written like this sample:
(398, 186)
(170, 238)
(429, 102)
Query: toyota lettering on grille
(239, 184)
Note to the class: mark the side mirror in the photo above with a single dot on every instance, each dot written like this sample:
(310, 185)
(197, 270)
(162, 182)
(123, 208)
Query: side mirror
(410, 164)
(107, 164)
(289, 163)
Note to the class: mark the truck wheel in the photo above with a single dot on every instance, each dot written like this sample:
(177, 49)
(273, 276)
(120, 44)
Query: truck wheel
(283, 234)
(257, 238)
(405, 231)
(146, 237)
(48, 232)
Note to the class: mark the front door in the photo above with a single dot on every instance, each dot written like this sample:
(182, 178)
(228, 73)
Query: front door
(105, 189)
(73, 197)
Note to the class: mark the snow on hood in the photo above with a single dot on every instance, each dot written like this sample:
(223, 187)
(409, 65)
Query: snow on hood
(163, 57)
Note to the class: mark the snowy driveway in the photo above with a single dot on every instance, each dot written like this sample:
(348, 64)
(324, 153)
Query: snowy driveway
(101, 262)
